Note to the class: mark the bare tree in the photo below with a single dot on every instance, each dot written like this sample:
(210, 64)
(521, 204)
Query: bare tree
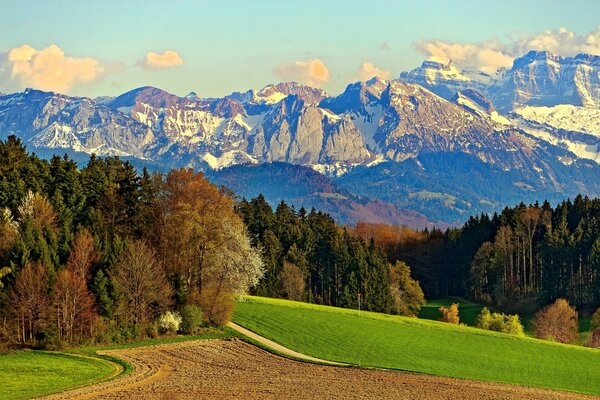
(83, 255)
(292, 280)
(141, 283)
(74, 304)
(29, 301)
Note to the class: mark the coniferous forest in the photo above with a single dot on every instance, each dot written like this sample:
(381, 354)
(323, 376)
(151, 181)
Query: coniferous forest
(104, 252)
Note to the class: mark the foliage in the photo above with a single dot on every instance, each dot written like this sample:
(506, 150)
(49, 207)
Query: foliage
(335, 265)
(450, 314)
(191, 319)
(595, 322)
(407, 296)
(557, 321)
(499, 322)
(594, 340)
(169, 322)
(98, 252)
(410, 344)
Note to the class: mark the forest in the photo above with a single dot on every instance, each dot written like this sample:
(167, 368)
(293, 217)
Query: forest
(105, 253)
(517, 260)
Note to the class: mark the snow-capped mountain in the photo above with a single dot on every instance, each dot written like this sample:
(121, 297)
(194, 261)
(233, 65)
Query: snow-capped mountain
(445, 78)
(538, 78)
(497, 124)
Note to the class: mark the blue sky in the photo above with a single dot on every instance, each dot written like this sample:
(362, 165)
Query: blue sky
(237, 45)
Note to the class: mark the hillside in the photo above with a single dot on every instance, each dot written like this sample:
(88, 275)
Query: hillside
(304, 187)
(409, 344)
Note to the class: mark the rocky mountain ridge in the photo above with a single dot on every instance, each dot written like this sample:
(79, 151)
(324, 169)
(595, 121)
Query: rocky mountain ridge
(436, 109)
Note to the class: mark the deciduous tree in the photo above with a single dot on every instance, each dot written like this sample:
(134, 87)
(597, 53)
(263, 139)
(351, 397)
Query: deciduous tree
(557, 321)
(141, 284)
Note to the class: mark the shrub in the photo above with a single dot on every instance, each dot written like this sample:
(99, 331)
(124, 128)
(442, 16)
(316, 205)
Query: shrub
(169, 322)
(484, 319)
(557, 321)
(450, 314)
(595, 323)
(217, 305)
(595, 338)
(499, 322)
(191, 318)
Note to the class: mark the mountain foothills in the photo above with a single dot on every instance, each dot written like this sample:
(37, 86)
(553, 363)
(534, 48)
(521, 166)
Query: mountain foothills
(430, 148)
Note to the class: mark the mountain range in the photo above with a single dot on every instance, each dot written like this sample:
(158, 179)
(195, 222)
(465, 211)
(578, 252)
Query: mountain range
(429, 148)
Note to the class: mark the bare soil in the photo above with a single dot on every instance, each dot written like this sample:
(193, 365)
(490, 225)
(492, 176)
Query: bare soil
(234, 369)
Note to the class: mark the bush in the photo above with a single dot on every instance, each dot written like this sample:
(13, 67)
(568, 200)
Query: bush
(217, 305)
(169, 322)
(557, 321)
(191, 318)
(595, 323)
(499, 322)
(450, 314)
(595, 338)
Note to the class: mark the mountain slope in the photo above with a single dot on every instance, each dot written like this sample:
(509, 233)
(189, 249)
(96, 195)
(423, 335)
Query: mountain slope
(303, 187)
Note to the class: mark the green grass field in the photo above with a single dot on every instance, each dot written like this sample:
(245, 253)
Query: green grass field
(467, 311)
(380, 340)
(26, 374)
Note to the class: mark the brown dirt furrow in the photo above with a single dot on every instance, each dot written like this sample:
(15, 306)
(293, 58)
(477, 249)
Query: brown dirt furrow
(233, 369)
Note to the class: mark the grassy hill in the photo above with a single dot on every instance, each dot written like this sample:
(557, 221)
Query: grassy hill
(385, 341)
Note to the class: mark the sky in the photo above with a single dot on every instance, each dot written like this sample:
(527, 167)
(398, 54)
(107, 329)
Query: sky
(94, 48)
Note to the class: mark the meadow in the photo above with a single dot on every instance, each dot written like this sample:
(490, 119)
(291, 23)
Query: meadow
(410, 344)
(27, 374)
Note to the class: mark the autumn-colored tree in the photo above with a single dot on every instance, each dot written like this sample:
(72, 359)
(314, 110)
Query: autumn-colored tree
(407, 295)
(557, 321)
(141, 283)
(292, 281)
(30, 301)
(9, 230)
(205, 245)
(594, 340)
(193, 217)
(595, 322)
(83, 255)
(450, 314)
(74, 305)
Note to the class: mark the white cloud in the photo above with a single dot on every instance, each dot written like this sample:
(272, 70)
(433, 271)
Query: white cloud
(311, 72)
(368, 70)
(46, 69)
(487, 57)
(490, 55)
(167, 59)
